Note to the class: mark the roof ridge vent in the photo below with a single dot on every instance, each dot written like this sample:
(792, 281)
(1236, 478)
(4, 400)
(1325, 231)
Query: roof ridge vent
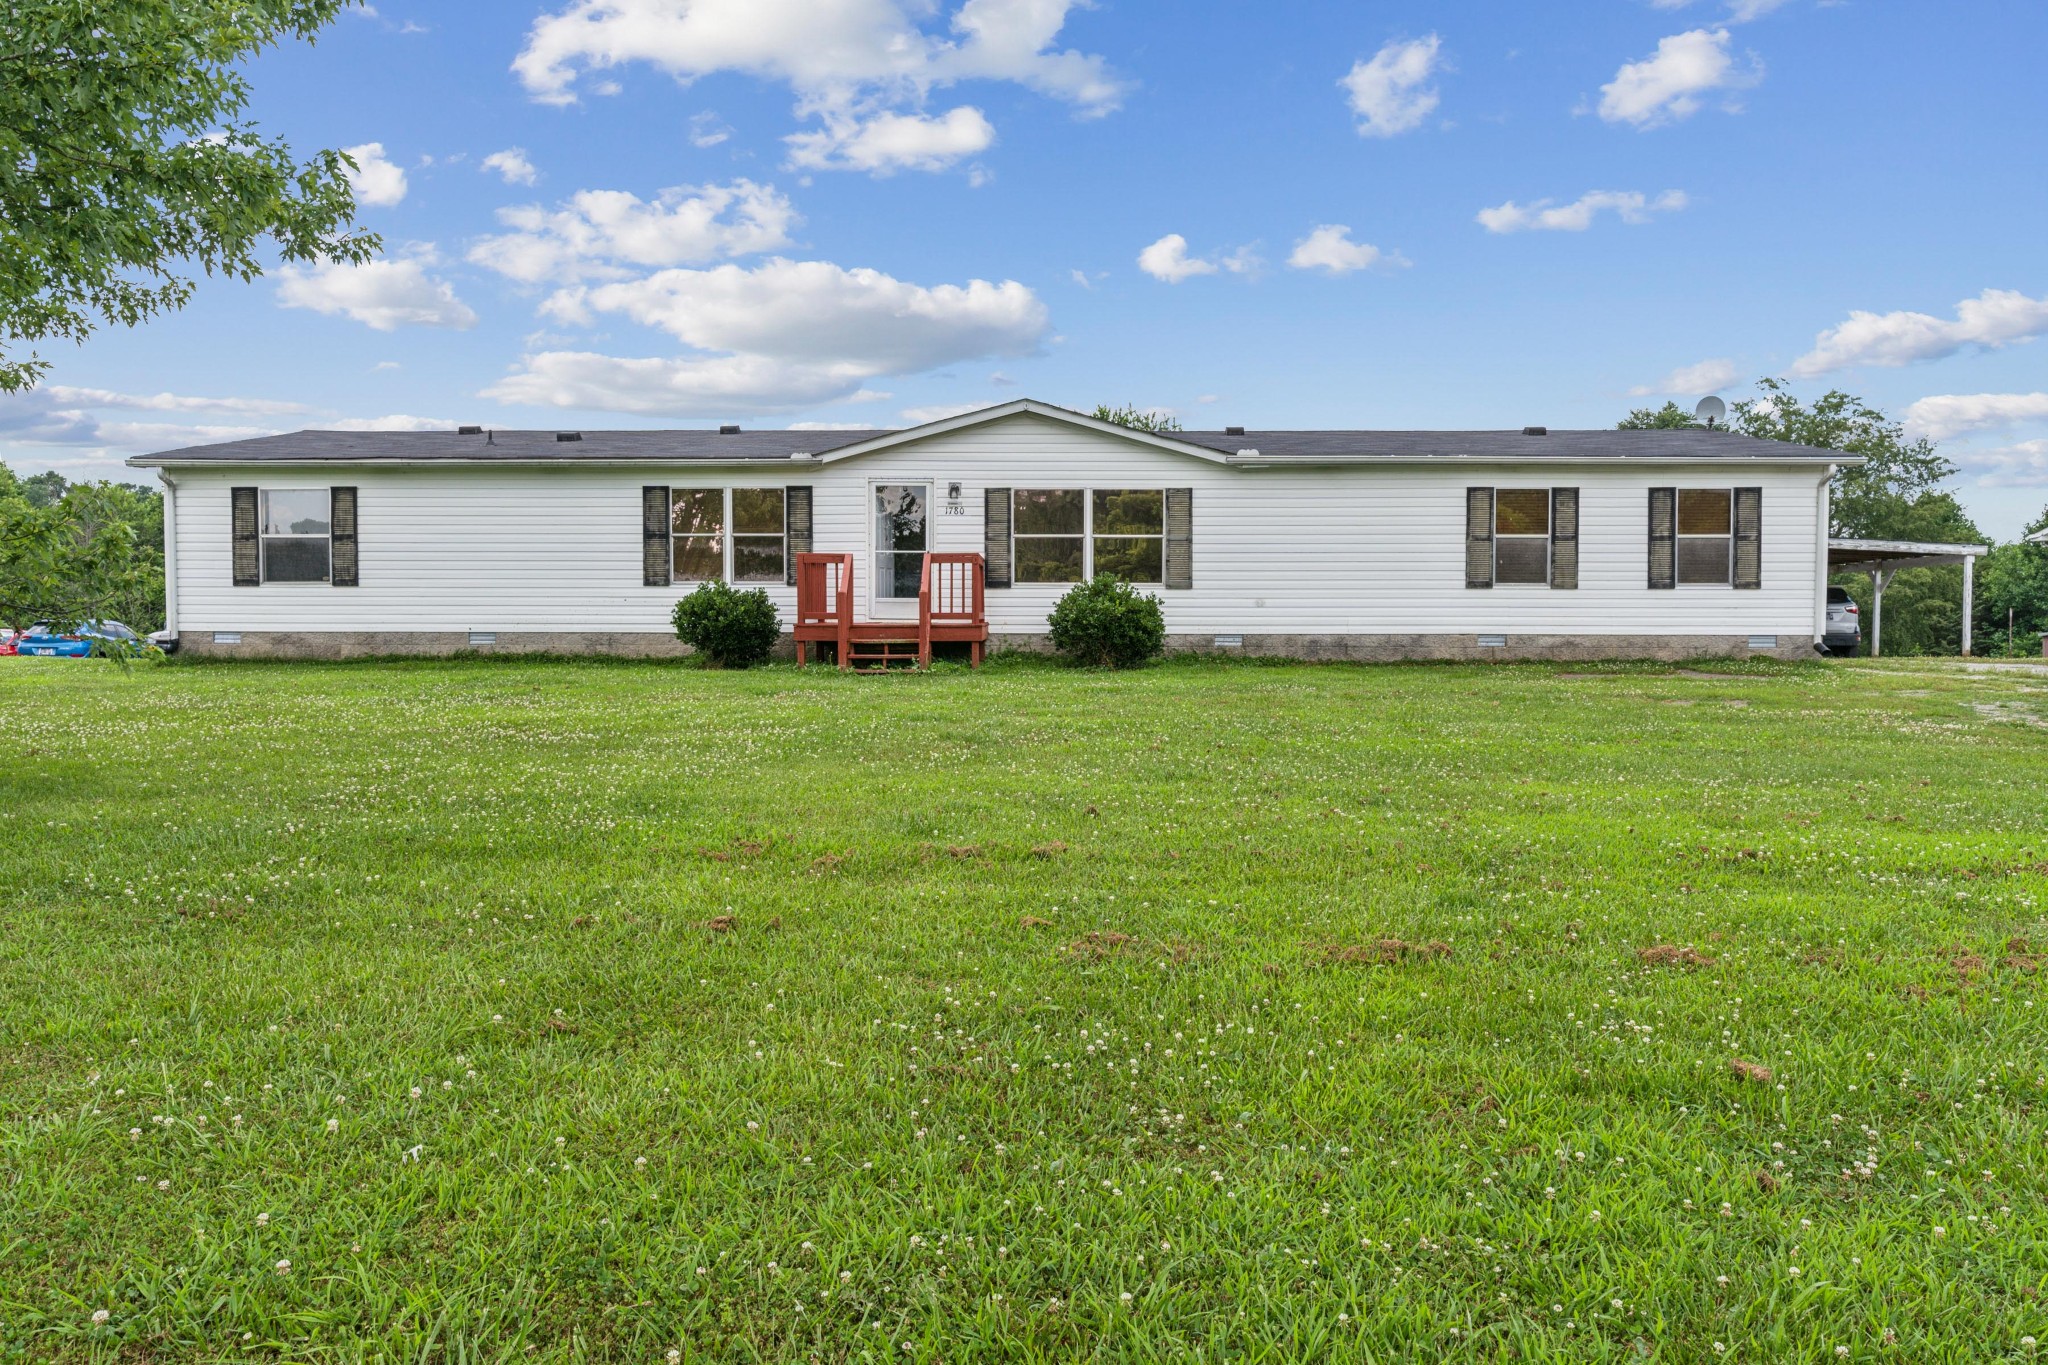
(1535, 431)
(469, 431)
(1233, 431)
(728, 431)
(568, 436)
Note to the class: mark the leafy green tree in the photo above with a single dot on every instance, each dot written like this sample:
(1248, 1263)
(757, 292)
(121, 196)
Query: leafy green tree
(126, 163)
(45, 489)
(1894, 495)
(1670, 417)
(2012, 596)
(96, 553)
(1874, 496)
(1136, 419)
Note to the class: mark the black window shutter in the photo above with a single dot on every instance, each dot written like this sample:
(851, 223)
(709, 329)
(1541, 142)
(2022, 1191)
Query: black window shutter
(1180, 537)
(1564, 537)
(1749, 537)
(248, 552)
(796, 528)
(343, 521)
(654, 523)
(995, 536)
(1663, 537)
(1479, 537)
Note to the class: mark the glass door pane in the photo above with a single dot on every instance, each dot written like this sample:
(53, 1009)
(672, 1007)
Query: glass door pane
(902, 528)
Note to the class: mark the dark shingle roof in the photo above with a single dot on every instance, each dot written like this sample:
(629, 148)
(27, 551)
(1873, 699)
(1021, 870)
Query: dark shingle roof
(323, 447)
(1273, 447)
(1364, 446)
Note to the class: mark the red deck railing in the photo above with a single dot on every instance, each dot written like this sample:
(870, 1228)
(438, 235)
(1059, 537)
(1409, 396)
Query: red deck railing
(950, 595)
(952, 607)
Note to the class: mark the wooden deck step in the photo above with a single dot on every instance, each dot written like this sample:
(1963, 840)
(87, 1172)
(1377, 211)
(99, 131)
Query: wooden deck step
(883, 654)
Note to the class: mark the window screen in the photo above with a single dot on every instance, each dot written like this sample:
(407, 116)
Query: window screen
(295, 524)
(1049, 531)
(697, 529)
(1521, 535)
(1706, 535)
(1130, 533)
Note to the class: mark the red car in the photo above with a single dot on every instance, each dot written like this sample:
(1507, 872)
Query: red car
(6, 640)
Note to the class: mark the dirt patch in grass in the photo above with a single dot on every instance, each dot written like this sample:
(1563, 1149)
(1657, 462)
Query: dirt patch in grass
(722, 924)
(2020, 956)
(1096, 945)
(1035, 922)
(1103, 944)
(1751, 1071)
(1051, 850)
(1967, 965)
(1385, 952)
(1671, 955)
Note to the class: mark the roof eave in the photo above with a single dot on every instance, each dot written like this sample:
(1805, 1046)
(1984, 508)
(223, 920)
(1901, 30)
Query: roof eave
(1015, 407)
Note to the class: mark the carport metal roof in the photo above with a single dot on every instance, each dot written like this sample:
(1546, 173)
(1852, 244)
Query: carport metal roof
(1882, 560)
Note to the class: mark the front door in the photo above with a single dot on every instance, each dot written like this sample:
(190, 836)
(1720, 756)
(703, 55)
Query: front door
(900, 535)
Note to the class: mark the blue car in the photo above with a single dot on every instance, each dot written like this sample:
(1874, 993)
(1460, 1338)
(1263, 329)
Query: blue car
(46, 640)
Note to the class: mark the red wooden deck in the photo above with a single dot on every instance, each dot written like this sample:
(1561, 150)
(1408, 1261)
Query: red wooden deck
(952, 608)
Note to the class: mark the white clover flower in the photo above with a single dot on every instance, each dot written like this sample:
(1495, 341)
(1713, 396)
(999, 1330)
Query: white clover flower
(100, 1316)
(284, 1267)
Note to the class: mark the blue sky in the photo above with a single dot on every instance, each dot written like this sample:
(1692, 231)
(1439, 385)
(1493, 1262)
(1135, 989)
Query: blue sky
(870, 212)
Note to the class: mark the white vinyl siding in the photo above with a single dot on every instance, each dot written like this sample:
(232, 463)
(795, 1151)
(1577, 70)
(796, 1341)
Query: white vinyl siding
(1358, 550)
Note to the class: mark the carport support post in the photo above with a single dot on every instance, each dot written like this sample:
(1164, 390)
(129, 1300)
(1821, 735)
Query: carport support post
(1877, 613)
(1969, 591)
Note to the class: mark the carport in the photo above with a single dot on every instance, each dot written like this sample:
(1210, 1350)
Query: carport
(1882, 560)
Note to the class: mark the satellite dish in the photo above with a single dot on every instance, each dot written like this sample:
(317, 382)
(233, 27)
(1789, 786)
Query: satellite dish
(1711, 410)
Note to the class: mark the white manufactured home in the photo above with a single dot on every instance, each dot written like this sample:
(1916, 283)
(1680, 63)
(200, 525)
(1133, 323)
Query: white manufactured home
(1320, 544)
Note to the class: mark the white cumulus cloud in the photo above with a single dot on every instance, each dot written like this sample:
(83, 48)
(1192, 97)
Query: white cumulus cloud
(67, 395)
(1391, 91)
(397, 421)
(851, 60)
(383, 294)
(1674, 82)
(1631, 206)
(1994, 319)
(512, 164)
(1329, 248)
(1702, 378)
(599, 233)
(780, 335)
(2024, 465)
(376, 180)
(1945, 415)
(886, 142)
(1739, 11)
(939, 412)
(1167, 259)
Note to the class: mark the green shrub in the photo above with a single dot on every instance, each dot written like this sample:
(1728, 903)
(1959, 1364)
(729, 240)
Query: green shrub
(1108, 624)
(730, 628)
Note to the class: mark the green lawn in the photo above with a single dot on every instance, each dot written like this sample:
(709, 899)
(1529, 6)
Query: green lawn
(530, 1011)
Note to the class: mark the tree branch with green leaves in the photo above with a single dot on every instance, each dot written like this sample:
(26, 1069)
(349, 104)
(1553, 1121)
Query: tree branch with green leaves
(127, 164)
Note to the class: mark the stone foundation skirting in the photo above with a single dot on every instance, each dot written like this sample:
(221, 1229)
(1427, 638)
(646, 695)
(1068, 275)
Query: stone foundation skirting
(254, 644)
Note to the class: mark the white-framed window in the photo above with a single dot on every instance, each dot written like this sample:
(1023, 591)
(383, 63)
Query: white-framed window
(1067, 535)
(1521, 536)
(1706, 536)
(738, 535)
(1048, 535)
(296, 530)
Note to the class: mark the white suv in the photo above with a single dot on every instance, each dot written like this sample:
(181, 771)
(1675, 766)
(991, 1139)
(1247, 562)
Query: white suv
(1844, 632)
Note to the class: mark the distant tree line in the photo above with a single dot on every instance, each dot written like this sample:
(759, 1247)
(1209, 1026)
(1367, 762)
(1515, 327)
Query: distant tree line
(72, 552)
(1896, 494)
